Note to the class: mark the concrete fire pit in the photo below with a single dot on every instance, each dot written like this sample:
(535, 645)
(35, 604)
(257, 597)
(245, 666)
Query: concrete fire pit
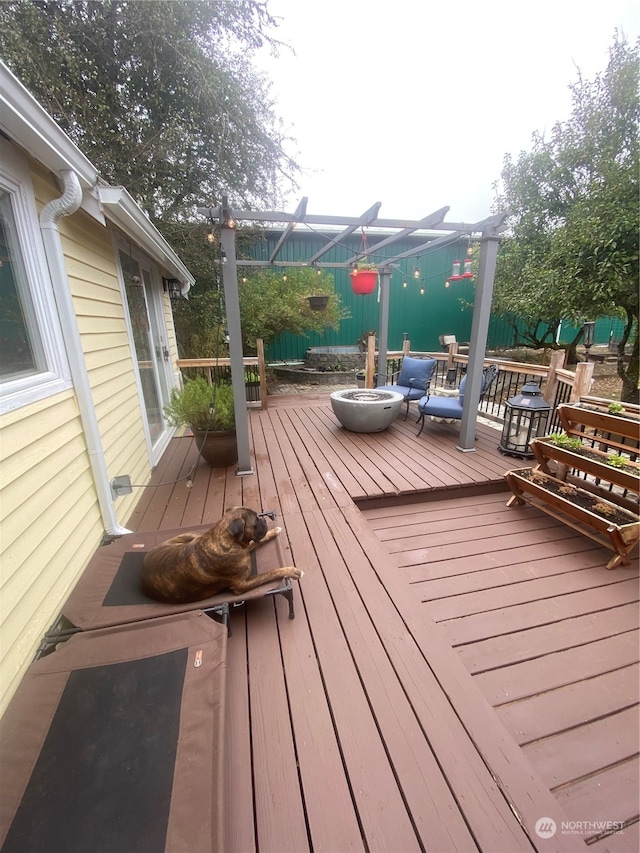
(366, 409)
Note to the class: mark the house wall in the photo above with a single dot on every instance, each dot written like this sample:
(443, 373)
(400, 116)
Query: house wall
(50, 523)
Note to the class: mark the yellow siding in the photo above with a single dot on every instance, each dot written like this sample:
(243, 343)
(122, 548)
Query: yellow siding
(49, 527)
(50, 523)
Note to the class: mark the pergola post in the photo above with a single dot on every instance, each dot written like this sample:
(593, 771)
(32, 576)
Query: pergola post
(232, 308)
(383, 325)
(489, 242)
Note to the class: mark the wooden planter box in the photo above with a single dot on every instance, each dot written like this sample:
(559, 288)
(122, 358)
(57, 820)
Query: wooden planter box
(619, 432)
(589, 460)
(601, 520)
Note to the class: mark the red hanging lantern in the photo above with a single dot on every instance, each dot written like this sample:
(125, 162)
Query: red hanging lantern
(363, 281)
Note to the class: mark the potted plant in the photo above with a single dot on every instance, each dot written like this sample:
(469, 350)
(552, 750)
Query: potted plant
(318, 302)
(364, 277)
(209, 413)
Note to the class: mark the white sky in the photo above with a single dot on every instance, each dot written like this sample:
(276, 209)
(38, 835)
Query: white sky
(446, 89)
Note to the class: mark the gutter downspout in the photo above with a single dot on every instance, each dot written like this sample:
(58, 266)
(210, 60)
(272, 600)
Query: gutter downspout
(51, 213)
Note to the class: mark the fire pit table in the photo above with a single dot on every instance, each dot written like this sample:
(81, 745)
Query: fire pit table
(366, 409)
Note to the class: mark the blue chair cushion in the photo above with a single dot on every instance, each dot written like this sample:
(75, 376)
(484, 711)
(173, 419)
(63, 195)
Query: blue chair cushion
(463, 382)
(441, 407)
(416, 372)
(407, 392)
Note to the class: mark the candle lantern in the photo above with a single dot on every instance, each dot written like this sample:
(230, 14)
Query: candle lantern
(525, 418)
(588, 330)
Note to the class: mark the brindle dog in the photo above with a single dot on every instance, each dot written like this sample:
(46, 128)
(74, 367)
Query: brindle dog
(191, 566)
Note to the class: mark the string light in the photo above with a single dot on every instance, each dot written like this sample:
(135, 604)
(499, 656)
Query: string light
(211, 237)
(416, 272)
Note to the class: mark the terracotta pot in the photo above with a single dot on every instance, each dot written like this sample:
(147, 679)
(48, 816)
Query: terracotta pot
(217, 447)
(363, 281)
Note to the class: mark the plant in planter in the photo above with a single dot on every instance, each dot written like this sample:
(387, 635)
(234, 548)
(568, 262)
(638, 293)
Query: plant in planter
(561, 439)
(364, 277)
(209, 413)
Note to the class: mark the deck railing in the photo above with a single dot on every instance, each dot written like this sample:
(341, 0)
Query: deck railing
(557, 384)
(219, 370)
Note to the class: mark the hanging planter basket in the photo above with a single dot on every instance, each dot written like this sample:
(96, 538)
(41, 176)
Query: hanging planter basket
(363, 281)
(318, 303)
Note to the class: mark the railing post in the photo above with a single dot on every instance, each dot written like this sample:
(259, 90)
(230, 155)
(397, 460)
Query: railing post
(371, 361)
(551, 385)
(583, 380)
(406, 346)
(452, 352)
(262, 373)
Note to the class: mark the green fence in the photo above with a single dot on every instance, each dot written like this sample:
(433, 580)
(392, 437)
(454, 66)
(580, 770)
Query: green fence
(421, 308)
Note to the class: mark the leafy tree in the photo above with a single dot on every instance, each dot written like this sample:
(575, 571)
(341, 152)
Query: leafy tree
(161, 96)
(572, 246)
(275, 302)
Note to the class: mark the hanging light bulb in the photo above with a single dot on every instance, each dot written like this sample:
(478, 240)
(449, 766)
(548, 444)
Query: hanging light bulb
(284, 276)
(211, 237)
(416, 272)
(404, 283)
(422, 291)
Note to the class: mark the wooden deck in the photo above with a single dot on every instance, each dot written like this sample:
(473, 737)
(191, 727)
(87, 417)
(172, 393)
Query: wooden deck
(456, 670)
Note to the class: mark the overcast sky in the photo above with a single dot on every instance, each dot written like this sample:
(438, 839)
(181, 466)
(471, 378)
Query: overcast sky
(445, 89)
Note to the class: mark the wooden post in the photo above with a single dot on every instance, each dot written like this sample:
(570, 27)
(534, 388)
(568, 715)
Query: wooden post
(371, 362)
(406, 346)
(583, 380)
(551, 385)
(262, 372)
(453, 351)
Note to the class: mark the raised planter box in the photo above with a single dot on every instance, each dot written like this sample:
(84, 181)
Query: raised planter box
(604, 503)
(601, 520)
(590, 460)
(620, 432)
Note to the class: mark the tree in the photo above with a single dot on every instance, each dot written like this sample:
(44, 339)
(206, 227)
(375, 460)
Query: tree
(161, 97)
(275, 302)
(572, 245)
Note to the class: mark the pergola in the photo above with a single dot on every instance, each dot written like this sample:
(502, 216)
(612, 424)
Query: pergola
(486, 232)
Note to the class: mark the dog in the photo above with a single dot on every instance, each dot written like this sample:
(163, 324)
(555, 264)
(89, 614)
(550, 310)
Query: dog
(192, 566)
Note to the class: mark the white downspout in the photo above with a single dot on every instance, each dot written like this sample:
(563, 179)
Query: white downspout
(51, 213)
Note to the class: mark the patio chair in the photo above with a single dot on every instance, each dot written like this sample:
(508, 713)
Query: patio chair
(451, 407)
(413, 379)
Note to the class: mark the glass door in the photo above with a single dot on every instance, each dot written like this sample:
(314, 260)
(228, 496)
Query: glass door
(149, 337)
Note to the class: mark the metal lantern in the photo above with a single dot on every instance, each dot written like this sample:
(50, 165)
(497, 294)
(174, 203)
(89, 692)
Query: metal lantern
(525, 418)
(173, 286)
(587, 335)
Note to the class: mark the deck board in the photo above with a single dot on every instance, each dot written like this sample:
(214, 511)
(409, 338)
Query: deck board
(364, 723)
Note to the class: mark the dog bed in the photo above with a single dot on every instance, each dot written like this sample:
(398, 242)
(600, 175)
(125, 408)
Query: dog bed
(114, 742)
(108, 592)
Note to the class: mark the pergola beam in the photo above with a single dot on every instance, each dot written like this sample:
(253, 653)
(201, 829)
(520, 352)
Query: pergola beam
(299, 217)
(365, 220)
(428, 222)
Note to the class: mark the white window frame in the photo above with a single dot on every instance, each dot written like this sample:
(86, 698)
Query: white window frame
(15, 179)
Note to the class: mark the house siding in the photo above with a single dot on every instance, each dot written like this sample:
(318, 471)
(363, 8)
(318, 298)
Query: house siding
(50, 521)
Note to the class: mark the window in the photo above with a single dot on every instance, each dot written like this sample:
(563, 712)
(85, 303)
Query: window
(32, 360)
